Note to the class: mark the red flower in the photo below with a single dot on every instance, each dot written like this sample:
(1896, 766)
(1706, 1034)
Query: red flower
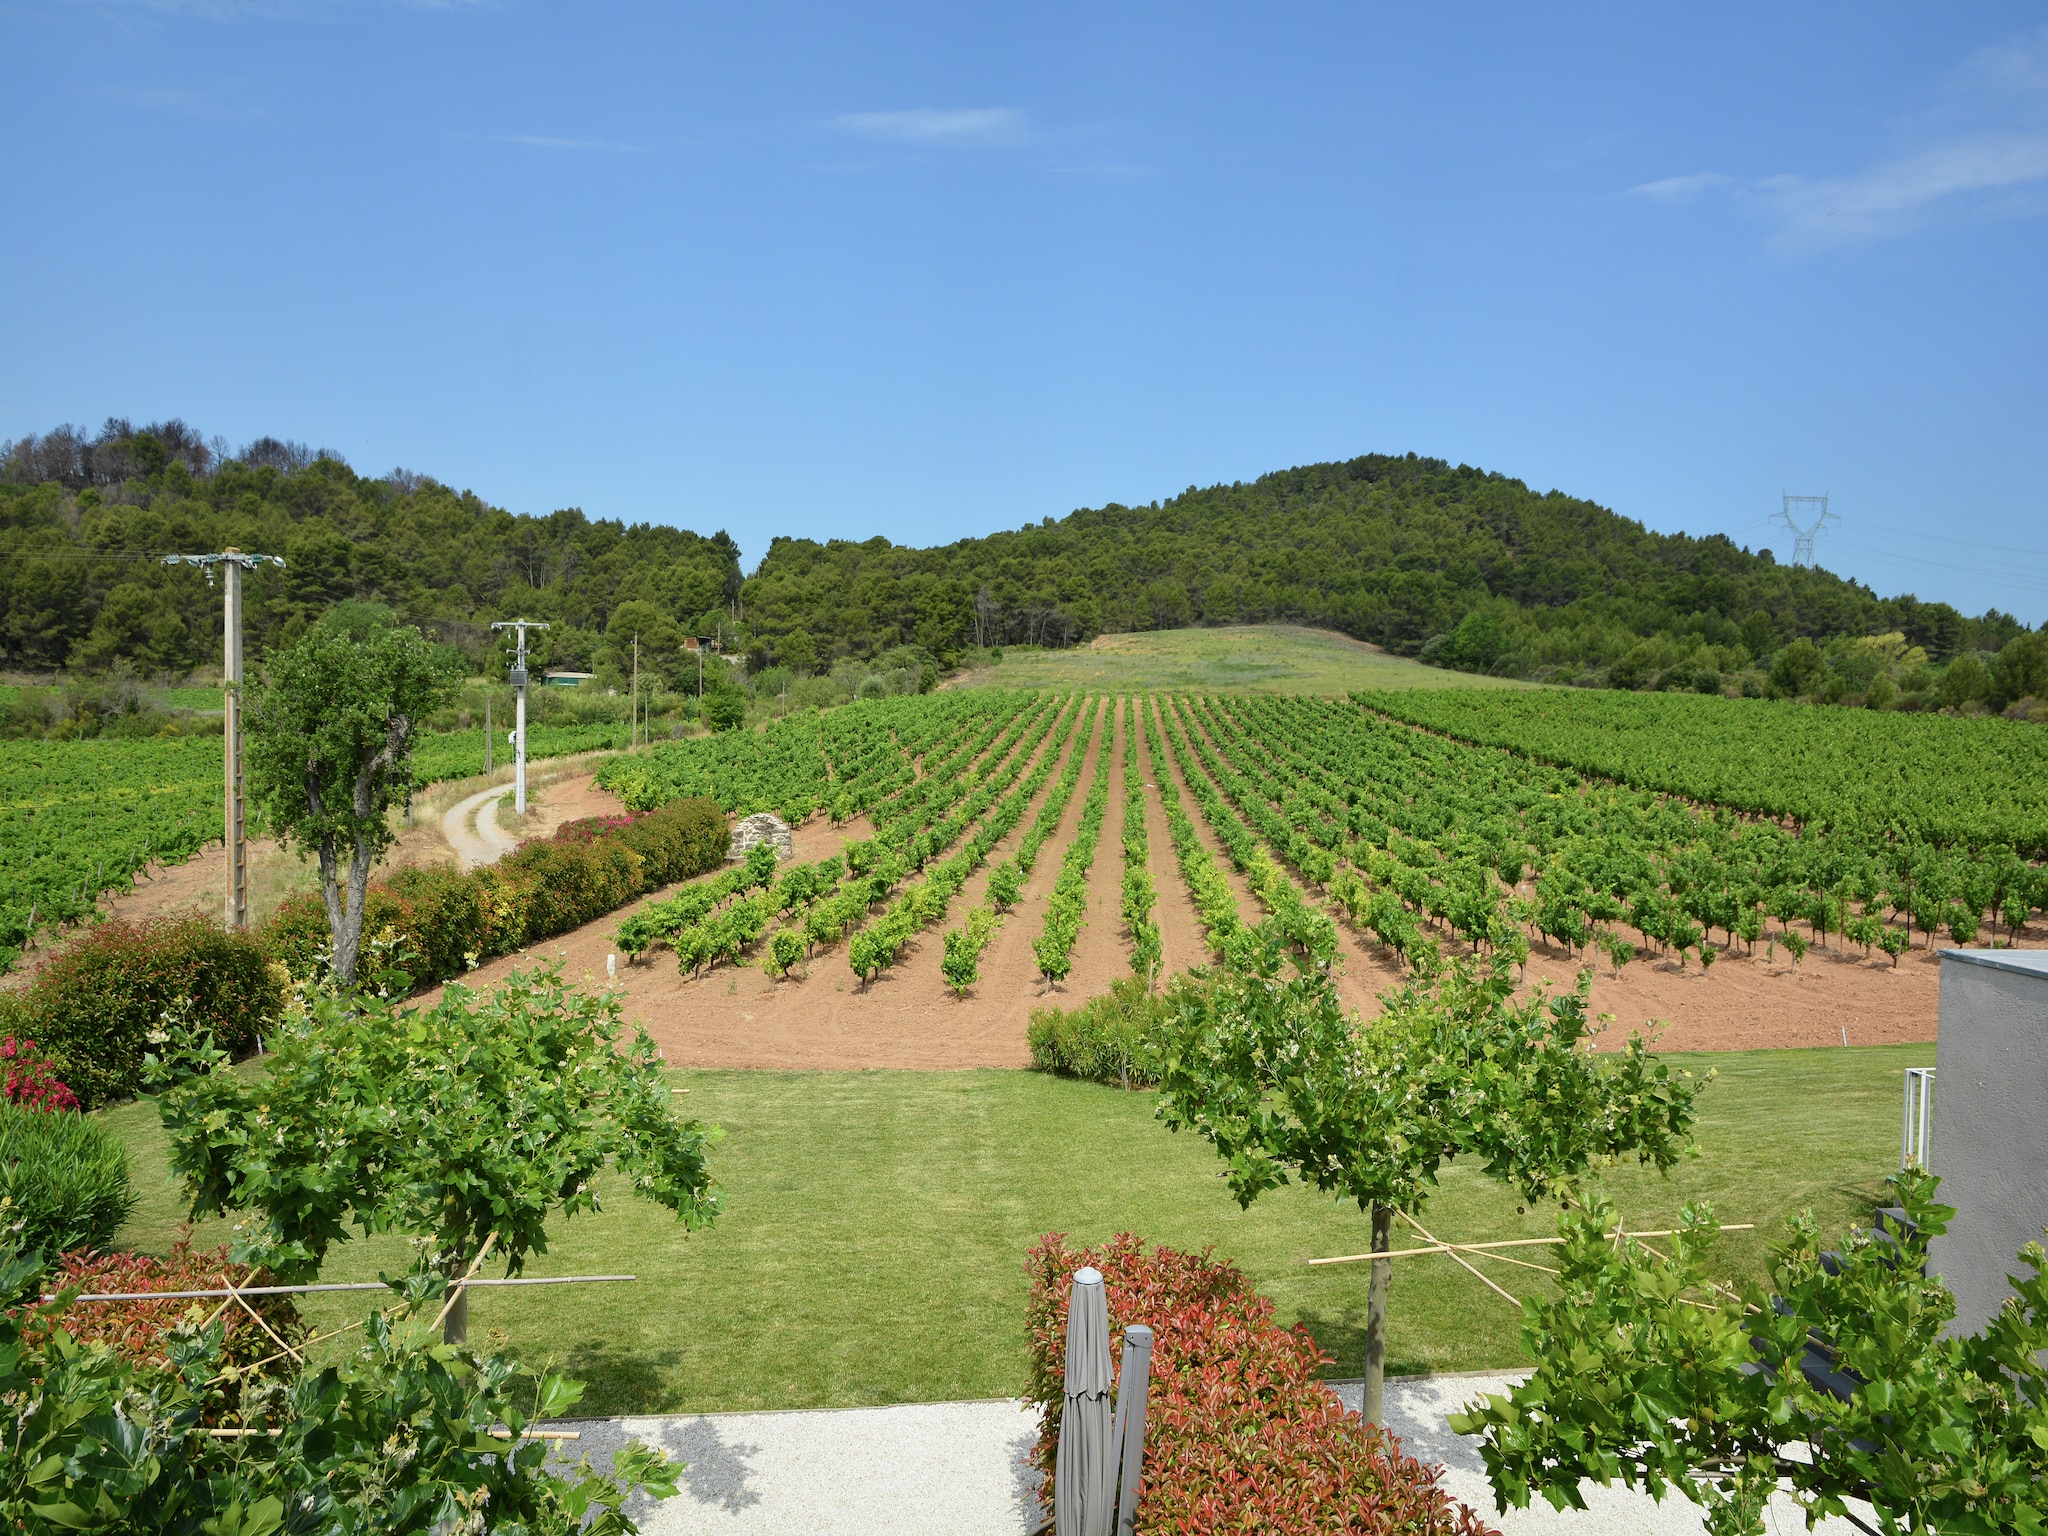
(33, 1083)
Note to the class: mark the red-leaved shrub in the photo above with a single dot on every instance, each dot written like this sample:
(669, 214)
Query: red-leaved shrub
(32, 1081)
(1240, 1434)
(138, 1329)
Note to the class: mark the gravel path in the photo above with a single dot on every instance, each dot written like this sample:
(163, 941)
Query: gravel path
(471, 827)
(958, 1469)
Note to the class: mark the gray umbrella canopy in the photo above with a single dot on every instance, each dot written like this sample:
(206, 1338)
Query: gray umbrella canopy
(1084, 1475)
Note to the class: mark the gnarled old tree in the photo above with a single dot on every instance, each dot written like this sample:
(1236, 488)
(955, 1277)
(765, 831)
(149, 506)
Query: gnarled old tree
(330, 736)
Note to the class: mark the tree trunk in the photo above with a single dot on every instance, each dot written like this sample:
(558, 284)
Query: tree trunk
(342, 953)
(455, 1327)
(1375, 1405)
(345, 917)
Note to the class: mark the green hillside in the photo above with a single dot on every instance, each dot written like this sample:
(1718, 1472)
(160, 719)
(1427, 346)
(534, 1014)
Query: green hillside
(1448, 564)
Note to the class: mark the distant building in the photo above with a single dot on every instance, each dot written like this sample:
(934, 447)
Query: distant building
(567, 679)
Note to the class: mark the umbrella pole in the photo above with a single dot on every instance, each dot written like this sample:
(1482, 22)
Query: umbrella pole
(1131, 1389)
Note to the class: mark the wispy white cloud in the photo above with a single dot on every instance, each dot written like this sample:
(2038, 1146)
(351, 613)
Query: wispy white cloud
(1979, 150)
(1680, 189)
(547, 141)
(931, 125)
(1993, 173)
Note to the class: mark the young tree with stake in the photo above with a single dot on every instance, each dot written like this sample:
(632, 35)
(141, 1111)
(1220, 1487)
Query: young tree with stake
(1286, 1084)
(330, 749)
(473, 1121)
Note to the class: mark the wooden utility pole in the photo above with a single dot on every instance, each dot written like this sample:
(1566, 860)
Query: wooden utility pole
(235, 805)
(633, 735)
(488, 743)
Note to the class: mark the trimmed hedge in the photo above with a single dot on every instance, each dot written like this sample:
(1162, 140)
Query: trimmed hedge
(1105, 1040)
(1240, 1434)
(543, 887)
(67, 1177)
(91, 1006)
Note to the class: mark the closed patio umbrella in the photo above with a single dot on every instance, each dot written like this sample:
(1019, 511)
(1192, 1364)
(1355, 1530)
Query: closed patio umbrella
(1084, 1475)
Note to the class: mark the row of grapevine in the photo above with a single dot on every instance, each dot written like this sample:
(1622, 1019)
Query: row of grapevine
(1938, 779)
(1215, 906)
(961, 963)
(877, 947)
(1137, 896)
(1067, 908)
(1305, 927)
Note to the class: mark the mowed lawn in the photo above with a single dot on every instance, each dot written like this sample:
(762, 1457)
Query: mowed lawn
(872, 1243)
(1255, 658)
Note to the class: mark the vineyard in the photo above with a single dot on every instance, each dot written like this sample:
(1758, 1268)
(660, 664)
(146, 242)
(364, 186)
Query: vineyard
(1592, 823)
(1976, 782)
(81, 817)
(1331, 817)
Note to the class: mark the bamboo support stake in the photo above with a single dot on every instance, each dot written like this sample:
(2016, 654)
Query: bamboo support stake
(275, 1337)
(1513, 1242)
(1463, 1263)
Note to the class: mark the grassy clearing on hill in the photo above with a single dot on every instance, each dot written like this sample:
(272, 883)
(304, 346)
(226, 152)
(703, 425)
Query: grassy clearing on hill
(871, 1248)
(1258, 658)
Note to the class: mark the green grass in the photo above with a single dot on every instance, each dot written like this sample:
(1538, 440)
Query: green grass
(872, 1244)
(201, 700)
(1259, 658)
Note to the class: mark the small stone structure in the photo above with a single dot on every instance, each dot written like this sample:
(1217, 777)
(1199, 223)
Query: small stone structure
(1987, 1145)
(761, 827)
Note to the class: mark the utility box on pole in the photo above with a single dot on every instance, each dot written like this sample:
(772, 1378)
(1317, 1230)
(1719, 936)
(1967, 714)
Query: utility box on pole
(1991, 1094)
(521, 626)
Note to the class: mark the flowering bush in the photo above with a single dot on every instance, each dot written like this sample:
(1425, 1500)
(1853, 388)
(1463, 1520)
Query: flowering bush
(33, 1083)
(1241, 1435)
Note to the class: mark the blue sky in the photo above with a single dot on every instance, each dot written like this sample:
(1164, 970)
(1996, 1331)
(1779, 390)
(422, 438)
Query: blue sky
(928, 272)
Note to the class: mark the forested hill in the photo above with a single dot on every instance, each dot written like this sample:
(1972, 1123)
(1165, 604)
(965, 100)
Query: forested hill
(84, 522)
(1399, 551)
(1455, 564)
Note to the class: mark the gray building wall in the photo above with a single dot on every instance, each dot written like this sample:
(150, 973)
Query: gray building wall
(1990, 1142)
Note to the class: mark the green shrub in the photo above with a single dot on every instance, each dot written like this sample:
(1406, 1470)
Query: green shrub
(66, 1176)
(1108, 1039)
(91, 1007)
(544, 887)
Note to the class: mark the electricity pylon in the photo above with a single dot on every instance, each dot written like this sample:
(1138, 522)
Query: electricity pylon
(519, 707)
(235, 811)
(1805, 516)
